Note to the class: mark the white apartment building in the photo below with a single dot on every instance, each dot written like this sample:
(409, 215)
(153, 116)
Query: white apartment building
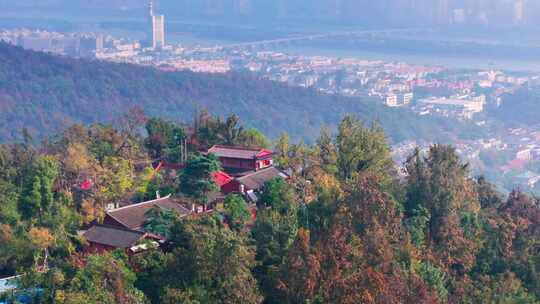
(462, 107)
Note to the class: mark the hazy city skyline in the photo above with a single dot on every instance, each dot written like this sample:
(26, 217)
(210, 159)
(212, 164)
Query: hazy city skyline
(494, 13)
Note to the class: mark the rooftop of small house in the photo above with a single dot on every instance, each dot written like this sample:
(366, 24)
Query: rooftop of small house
(113, 236)
(134, 216)
(257, 179)
(240, 152)
(221, 178)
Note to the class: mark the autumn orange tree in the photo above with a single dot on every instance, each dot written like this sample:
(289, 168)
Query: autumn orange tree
(354, 260)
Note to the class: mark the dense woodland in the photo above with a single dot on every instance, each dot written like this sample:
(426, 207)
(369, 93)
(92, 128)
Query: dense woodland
(46, 94)
(346, 228)
(519, 109)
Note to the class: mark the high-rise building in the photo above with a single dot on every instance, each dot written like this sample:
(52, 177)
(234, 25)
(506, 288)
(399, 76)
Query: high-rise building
(519, 12)
(242, 7)
(458, 16)
(156, 36)
(441, 12)
(100, 43)
(158, 31)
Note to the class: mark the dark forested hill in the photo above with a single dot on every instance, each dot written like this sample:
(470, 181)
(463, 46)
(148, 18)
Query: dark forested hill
(45, 93)
(521, 108)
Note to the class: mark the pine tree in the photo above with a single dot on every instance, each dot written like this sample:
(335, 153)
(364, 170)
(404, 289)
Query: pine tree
(196, 179)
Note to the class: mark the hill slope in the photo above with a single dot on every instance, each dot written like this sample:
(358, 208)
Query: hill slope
(45, 93)
(519, 109)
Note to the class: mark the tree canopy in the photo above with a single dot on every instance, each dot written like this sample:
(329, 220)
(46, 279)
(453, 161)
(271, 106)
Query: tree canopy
(343, 227)
(196, 179)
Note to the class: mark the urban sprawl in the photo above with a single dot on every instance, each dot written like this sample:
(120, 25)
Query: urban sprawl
(463, 95)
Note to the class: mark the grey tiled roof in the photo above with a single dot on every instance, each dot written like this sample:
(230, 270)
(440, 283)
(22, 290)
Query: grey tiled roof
(257, 179)
(113, 236)
(236, 152)
(133, 216)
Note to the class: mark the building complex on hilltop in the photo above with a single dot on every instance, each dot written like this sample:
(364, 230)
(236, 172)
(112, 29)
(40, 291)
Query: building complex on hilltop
(245, 172)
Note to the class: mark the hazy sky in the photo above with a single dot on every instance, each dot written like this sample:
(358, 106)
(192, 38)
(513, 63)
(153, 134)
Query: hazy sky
(491, 13)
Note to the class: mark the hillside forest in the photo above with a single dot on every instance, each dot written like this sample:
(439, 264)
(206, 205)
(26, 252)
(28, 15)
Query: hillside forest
(46, 94)
(346, 227)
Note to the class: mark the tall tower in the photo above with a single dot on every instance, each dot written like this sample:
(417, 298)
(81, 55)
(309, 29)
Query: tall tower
(442, 12)
(519, 12)
(156, 35)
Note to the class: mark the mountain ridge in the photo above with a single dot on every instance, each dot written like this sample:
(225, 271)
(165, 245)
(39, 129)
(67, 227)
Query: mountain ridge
(45, 93)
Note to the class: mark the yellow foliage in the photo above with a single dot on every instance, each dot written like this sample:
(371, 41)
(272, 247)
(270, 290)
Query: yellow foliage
(6, 234)
(328, 183)
(469, 198)
(115, 179)
(90, 211)
(60, 297)
(77, 158)
(41, 237)
(58, 277)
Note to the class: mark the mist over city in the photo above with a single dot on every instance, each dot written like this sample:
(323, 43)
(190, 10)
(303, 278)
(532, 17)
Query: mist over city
(489, 13)
(269, 151)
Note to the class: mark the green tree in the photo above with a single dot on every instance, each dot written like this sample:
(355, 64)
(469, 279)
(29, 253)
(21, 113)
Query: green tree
(149, 181)
(278, 194)
(164, 140)
(274, 231)
(212, 130)
(31, 201)
(46, 168)
(360, 149)
(503, 288)
(439, 183)
(435, 278)
(152, 273)
(103, 139)
(302, 159)
(193, 295)
(509, 243)
(487, 193)
(159, 220)
(117, 177)
(38, 194)
(254, 138)
(215, 259)
(231, 131)
(9, 196)
(16, 252)
(236, 211)
(282, 151)
(326, 152)
(442, 206)
(104, 279)
(317, 215)
(196, 179)
(417, 224)
(207, 129)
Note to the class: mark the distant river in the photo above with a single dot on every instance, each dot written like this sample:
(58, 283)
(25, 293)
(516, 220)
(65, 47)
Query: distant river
(453, 62)
(446, 61)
